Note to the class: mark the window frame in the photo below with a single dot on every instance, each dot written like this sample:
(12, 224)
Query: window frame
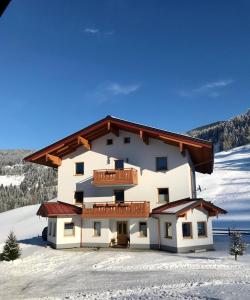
(158, 194)
(66, 235)
(127, 140)
(50, 228)
(205, 227)
(82, 197)
(108, 142)
(166, 230)
(156, 164)
(191, 230)
(95, 230)
(140, 231)
(79, 174)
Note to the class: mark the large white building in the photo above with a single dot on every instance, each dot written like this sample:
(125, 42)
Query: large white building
(122, 184)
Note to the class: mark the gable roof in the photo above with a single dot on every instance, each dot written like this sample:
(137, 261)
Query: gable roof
(201, 151)
(53, 209)
(180, 207)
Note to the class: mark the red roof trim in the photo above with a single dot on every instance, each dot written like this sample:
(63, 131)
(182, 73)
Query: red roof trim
(52, 209)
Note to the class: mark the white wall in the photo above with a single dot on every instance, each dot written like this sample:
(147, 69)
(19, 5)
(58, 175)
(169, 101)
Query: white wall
(71, 241)
(194, 216)
(88, 238)
(140, 156)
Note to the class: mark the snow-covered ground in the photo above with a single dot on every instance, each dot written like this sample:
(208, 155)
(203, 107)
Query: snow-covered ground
(229, 186)
(7, 180)
(44, 273)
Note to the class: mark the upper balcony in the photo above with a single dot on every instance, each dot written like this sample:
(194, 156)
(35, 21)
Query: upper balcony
(116, 210)
(113, 177)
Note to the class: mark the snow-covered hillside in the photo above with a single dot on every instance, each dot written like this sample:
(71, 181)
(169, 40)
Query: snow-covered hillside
(229, 185)
(7, 180)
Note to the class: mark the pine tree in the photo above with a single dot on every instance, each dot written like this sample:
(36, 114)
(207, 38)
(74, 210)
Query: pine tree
(237, 245)
(11, 250)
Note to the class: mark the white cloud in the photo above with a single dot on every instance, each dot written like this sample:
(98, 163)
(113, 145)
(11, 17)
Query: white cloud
(91, 30)
(211, 89)
(119, 89)
(112, 91)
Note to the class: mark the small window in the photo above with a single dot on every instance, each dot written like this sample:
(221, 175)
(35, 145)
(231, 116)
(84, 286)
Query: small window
(202, 229)
(54, 229)
(161, 163)
(168, 230)
(163, 195)
(79, 168)
(109, 141)
(119, 164)
(127, 140)
(119, 196)
(143, 229)
(50, 227)
(69, 229)
(187, 230)
(97, 228)
(79, 197)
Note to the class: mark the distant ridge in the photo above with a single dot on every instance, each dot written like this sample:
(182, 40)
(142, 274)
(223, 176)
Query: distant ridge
(226, 134)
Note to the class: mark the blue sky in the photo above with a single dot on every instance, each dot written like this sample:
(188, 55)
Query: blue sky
(170, 64)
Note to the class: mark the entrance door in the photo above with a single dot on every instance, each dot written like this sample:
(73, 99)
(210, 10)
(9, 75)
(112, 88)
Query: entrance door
(122, 233)
(119, 164)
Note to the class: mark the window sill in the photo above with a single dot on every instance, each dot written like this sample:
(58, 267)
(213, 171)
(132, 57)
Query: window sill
(78, 174)
(202, 237)
(187, 238)
(168, 237)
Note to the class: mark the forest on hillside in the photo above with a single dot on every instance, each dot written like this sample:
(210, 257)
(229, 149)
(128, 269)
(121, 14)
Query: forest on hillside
(38, 185)
(226, 135)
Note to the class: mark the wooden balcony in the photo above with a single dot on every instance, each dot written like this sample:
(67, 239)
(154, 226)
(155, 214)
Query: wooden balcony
(115, 177)
(116, 210)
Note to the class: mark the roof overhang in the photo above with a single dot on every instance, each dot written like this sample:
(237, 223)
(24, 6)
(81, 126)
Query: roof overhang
(201, 152)
(56, 209)
(180, 207)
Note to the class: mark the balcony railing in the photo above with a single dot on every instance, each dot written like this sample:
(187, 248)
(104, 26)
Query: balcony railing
(116, 210)
(115, 177)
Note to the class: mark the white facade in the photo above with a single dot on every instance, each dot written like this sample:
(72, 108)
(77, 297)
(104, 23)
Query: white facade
(179, 179)
(136, 155)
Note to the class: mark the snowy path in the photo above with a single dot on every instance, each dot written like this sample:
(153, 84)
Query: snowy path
(49, 274)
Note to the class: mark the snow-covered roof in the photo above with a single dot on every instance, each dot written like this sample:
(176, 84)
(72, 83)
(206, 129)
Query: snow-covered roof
(177, 208)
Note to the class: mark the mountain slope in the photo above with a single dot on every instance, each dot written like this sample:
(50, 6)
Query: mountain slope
(229, 185)
(226, 134)
(24, 183)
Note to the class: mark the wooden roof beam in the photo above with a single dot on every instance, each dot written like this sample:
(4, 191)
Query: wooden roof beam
(84, 142)
(144, 137)
(54, 159)
(113, 129)
(178, 141)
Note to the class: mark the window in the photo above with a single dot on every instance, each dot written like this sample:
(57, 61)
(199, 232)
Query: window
(54, 229)
(143, 229)
(202, 229)
(119, 164)
(50, 227)
(69, 229)
(97, 228)
(109, 141)
(169, 230)
(119, 196)
(79, 197)
(187, 230)
(161, 163)
(127, 140)
(79, 168)
(163, 195)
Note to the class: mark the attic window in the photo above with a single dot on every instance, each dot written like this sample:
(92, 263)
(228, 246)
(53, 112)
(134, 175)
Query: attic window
(109, 141)
(127, 140)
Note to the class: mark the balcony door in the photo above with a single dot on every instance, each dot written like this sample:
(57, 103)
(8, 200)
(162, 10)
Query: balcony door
(119, 196)
(119, 164)
(122, 233)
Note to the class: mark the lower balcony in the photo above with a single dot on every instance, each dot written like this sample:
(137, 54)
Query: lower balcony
(113, 177)
(116, 210)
